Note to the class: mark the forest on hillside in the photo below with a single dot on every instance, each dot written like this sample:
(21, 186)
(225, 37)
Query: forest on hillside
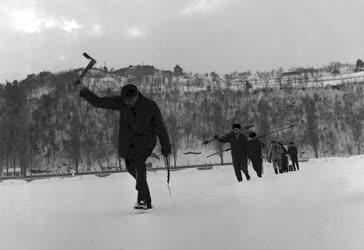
(45, 126)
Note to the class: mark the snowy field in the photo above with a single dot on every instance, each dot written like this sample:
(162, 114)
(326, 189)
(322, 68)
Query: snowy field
(319, 207)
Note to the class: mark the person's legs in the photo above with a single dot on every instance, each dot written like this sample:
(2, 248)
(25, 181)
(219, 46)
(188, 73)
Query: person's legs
(238, 173)
(258, 167)
(247, 176)
(129, 168)
(293, 165)
(279, 163)
(141, 178)
(255, 166)
(237, 170)
(137, 168)
(296, 162)
(275, 166)
(244, 168)
(284, 165)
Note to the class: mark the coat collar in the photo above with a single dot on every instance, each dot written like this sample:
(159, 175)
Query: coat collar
(137, 104)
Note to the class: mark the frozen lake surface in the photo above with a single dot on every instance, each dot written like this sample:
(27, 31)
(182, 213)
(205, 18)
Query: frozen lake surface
(319, 207)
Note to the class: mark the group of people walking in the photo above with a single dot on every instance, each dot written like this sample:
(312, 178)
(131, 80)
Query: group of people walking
(278, 156)
(140, 124)
(244, 149)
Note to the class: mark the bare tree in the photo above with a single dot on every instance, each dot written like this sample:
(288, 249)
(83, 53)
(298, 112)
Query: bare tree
(312, 124)
(354, 115)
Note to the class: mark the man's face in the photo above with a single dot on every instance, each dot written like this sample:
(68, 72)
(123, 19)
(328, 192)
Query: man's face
(130, 102)
(236, 130)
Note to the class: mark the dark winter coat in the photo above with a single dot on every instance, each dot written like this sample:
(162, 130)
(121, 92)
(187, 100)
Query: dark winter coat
(284, 152)
(284, 158)
(292, 151)
(239, 147)
(255, 149)
(137, 134)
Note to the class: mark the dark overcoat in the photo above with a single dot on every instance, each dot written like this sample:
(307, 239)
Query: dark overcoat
(138, 133)
(239, 147)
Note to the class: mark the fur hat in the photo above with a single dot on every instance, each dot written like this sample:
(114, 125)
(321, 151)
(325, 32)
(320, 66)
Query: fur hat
(129, 91)
(237, 125)
(252, 134)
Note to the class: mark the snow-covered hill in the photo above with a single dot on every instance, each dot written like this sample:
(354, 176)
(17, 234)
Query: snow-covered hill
(319, 207)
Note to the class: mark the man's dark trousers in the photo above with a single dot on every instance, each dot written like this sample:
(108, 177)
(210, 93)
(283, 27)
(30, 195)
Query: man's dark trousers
(239, 166)
(258, 166)
(135, 164)
(295, 163)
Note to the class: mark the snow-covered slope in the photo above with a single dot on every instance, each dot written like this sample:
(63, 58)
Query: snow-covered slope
(319, 207)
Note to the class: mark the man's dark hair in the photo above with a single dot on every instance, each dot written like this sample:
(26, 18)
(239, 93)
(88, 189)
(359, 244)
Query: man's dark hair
(236, 125)
(291, 142)
(252, 134)
(129, 91)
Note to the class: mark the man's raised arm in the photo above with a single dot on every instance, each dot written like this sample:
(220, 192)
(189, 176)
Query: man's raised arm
(109, 102)
(224, 138)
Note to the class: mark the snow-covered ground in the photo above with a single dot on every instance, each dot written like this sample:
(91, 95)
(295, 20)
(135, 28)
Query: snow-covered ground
(319, 207)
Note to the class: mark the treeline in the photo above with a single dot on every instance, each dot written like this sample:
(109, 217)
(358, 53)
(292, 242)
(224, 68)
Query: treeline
(45, 126)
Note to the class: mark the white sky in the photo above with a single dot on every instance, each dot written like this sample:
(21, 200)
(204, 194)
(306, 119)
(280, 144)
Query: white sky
(200, 35)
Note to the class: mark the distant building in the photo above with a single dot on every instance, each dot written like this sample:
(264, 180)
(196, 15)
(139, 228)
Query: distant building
(10, 172)
(359, 65)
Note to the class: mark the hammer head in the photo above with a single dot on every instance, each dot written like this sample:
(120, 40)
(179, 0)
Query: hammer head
(88, 57)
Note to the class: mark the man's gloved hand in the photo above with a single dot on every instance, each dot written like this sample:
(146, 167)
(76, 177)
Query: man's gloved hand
(83, 91)
(216, 137)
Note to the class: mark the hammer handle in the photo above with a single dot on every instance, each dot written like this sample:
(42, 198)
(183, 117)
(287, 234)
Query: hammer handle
(83, 73)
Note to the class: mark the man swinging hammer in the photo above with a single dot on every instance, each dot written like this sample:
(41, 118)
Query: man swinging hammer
(139, 125)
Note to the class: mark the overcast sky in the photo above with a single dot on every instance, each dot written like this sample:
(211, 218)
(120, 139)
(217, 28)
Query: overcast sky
(200, 35)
